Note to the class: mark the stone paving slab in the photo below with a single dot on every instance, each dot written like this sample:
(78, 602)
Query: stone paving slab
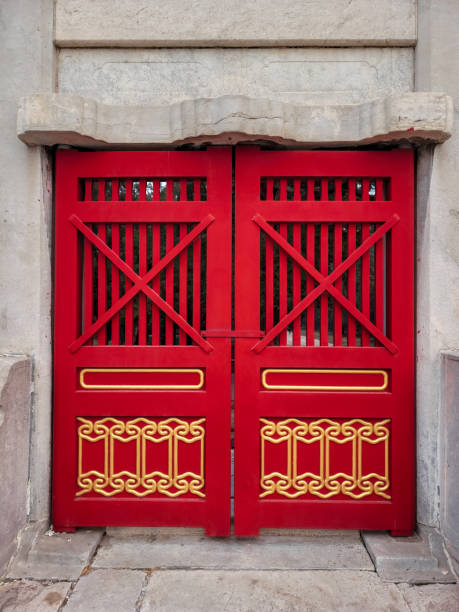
(431, 597)
(29, 596)
(252, 591)
(56, 556)
(107, 591)
(263, 553)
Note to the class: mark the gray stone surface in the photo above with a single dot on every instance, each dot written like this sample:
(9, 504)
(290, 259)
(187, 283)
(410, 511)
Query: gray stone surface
(107, 590)
(300, 76)
(431, 597)
(15, 399)
(56, 556)
(238, 23)
(449, 432)
(28, 596)
(249, 591)
(415, 560)
(265, 552)
(437, 218)
(27, 58)
(74, 120)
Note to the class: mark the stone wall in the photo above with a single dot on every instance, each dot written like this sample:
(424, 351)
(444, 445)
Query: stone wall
(320, 55)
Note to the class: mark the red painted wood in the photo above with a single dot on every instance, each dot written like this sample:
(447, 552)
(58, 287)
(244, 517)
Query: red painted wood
(75, 350)
(393, 351)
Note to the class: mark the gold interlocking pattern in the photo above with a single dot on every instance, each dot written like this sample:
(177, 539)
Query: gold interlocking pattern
(114, 434)
(325, 434)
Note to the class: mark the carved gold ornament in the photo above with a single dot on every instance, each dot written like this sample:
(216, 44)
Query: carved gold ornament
(113, 435)
(324, 434)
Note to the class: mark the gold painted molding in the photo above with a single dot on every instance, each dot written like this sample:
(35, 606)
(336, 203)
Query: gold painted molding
(196, 386)
(266, 385)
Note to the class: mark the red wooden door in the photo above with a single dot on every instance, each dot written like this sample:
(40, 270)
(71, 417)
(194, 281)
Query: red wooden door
(324, 415)
(142, 398)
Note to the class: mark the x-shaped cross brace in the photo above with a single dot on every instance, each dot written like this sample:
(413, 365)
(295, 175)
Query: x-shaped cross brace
(141, 283)
(325, 283)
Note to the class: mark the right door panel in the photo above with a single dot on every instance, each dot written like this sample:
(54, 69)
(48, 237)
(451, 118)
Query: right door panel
(324, 397)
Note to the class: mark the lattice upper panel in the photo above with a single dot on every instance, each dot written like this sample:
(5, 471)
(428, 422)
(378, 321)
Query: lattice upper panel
(333, 189)
(143, 190)
(108, 288)
(297, 260)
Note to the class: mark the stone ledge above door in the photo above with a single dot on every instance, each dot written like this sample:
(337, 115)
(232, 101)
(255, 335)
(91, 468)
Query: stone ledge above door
(67, 119)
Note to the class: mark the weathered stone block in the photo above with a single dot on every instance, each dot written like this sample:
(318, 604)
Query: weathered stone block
(56, 556)
(70, 119)
(449, 434)
(300, 76)
(238, 23)
(114, 590)
(15, 389)
(415, 560)
(284, 591)
(28, 596)
(264, 553)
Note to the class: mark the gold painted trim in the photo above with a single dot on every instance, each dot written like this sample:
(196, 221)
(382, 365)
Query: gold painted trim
(197, 386)
(323, 387)
(323, 434)
(112, 432)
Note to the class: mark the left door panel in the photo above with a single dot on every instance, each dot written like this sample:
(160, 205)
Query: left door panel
(141, 397)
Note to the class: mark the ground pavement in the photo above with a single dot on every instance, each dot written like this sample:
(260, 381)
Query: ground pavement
(140, 570)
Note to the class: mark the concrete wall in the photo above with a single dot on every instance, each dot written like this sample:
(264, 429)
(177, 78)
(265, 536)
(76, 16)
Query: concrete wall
(437, 63)
(26, 52)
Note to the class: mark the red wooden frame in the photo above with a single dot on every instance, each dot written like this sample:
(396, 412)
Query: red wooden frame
(374, 208)
(122, 500)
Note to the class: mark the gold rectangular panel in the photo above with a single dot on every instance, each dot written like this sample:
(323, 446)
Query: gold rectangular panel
(188, 386)
(316, 387)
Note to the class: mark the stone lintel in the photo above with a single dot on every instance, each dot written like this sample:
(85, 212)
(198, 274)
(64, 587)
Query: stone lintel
(67, 119)
(216, 23)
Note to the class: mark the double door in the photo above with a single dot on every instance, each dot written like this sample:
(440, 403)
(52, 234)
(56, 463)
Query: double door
(306, 294)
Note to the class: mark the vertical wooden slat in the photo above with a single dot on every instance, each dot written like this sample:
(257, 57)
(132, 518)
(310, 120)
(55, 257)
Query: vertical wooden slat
(115, 191)
(379, 190)
(351, 279)
(311, 195)
(88, 285)
(310, 252)
(269, 189)
(155, 197)
(128, 190)
(183, 283)
(352, 194)
(197, 190)
(365, 281)
(338, 256)
(101, 190)
(182, 190)
(170, 190)
(365, 189)
(87, 190)
(142, 190)
(197, 284)
(129, 312)
(297, 189)
(324, 189)
(169, 282)
(324, 271)
(283, 189)
(379, 284)
(338, 190)
(156, 255)
(282, 284)
(296, 283)
(115, 282)
(269, 283)
(101, 289)
(142, 272)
